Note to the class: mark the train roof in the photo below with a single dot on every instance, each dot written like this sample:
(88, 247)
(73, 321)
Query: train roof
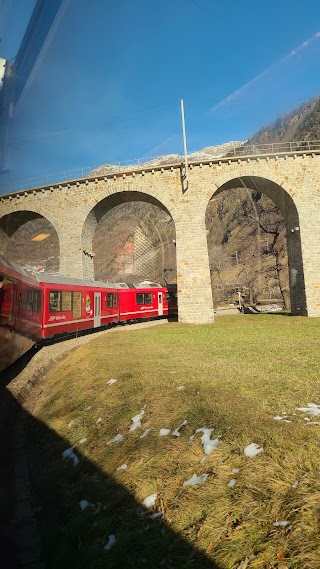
(57, 279)
(14, 267)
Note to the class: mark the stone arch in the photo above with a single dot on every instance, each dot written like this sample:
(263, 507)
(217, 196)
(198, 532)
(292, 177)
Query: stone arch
(12, 222)
(103, 203)
(279, 192)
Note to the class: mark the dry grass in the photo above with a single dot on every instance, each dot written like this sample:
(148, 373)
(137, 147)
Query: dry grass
(237, 375)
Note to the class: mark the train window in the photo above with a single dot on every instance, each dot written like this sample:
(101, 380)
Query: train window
(6, 300)
(112, 300)
(66, 301)
(33, 301)
(76, 304)
(144, 298)
(55, 301)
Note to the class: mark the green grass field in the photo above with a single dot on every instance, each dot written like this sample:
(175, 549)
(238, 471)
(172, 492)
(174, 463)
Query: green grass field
(233, 376)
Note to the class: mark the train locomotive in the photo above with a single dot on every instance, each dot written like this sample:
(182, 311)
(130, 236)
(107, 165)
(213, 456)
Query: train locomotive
(37, 307)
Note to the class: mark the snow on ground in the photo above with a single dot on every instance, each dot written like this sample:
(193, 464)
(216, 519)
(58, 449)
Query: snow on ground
(196, 479)
(209, 445)
(176, 433)
(69, 454)
(122, 467)
(145, 433)
(111, 381)
(116, 439)
(252, 450)
(111, 542)
(150, 500)
(136, 421)
(164, 432)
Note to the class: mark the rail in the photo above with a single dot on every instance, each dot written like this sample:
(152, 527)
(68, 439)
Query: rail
(139, 163)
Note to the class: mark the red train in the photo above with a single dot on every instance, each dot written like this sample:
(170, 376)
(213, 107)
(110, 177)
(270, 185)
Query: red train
(40, 306)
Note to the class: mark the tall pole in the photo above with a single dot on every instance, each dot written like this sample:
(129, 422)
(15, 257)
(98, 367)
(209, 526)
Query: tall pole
(184, 138)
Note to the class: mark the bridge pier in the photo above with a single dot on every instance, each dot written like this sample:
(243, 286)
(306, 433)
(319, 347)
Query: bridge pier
(193, 273)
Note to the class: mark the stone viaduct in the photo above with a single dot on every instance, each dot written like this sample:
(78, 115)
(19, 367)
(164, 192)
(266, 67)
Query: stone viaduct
(74, 208)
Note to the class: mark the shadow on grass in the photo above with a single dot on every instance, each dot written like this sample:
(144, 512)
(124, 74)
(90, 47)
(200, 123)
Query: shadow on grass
(71, 538)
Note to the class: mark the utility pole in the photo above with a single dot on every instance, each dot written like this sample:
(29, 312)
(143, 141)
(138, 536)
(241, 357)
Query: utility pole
(184, 139)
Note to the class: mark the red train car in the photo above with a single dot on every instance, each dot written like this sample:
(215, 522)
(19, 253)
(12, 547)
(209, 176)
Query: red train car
(38, 307)
(20, 312)
(143, 300)
(72, 305)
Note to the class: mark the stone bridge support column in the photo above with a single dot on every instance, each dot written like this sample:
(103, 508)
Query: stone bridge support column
(309, 230)
(71, 252)
(193, 274)
(3, 241)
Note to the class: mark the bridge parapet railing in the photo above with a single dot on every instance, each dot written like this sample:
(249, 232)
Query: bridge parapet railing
(150, 162)
(275, 148)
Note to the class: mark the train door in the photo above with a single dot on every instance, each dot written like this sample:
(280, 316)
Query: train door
(97, 310)
(160, 305)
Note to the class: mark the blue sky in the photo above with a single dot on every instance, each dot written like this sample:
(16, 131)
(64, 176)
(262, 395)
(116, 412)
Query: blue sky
(108, 87)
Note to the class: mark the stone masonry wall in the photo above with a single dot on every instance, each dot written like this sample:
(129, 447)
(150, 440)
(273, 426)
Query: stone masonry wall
(293, 181)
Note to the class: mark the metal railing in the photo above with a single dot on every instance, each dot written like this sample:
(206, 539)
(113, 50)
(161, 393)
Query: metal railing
(140, 163)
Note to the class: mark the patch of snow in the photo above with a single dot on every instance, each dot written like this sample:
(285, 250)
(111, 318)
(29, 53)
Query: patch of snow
(280, 417)
(87, 408)
(252, 450)
(99, 421)
(164, 432)
(209, 445)
(196, 480)
(68, 453)
(82, 441)
(122, 467)
(70, 424)
(150, 500)
(231, 483)
(235, 470)
(156, 516)
(311, 408)
(116, 439)
(84, 504)
(180, 387)
(136, 421)
(111, 542)
(145, 433)
(282, 524)
(111, 381)
(176, 433)
(313, 423)
(295, 484)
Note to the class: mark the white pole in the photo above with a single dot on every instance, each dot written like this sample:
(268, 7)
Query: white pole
(184, 138)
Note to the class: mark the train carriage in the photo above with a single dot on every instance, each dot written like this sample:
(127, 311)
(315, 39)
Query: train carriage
(20, 312)
(72, 305)
(142, 300)
(35, 307)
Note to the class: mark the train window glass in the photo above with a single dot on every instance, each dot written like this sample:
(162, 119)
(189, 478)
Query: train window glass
(109, 300)
(139, 298)
(115, 300)
(55, 301)
(76, 304)
(6, 300)
(66, 303)
(144, 298)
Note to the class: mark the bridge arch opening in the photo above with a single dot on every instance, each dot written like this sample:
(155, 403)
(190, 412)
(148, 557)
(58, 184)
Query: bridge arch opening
(254, 245)
(129, 237)
(30, 240)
